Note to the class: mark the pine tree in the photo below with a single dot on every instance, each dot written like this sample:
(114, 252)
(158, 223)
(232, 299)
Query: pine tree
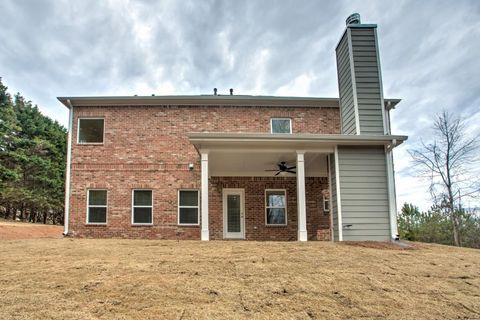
(32, 161)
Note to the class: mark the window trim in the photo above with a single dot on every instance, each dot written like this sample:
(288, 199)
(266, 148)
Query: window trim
(78, 131)
(325, 200)
(281, 118)
(266, 207)
(87, 216)
(133, 207)
(197, 206)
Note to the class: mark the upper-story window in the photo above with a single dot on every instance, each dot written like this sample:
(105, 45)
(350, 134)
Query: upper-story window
(281, 125)
(90, 130)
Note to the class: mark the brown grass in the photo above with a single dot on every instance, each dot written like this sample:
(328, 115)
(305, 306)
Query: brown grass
(137, 279)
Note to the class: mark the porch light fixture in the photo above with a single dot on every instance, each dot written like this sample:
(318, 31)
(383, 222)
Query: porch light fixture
(190, 166)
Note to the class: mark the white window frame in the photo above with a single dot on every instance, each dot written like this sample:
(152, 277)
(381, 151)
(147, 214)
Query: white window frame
(266, 207)
(96, 206)
(279, 118)
(78, 130)
(197, 206)
(133, 207)
(325, 200)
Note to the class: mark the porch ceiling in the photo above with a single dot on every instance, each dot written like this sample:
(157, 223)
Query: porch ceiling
(254, 164)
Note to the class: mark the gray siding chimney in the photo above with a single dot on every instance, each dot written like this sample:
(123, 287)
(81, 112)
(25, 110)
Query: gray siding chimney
(360, 80)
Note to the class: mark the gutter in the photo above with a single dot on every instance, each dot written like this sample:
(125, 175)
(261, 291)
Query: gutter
(67, 173)
(340, 139)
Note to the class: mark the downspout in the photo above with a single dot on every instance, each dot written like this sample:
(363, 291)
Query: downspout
(332, 235)
(67, 173)
(391, 191)
(339, 198)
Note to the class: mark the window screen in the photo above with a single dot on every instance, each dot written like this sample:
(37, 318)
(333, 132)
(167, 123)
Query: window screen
(97, 206)
(276, 207)
(281, 125)
(142, 207)
(90, 131)
(188, 207)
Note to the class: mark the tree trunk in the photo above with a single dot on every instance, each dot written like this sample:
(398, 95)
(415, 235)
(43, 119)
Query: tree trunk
(456, 236)
(45, 217)
(22, 212)
(33, 215)
(7, 211)
(453, 216)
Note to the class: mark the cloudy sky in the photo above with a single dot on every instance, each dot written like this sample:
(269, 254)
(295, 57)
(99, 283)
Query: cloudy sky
(429, 53)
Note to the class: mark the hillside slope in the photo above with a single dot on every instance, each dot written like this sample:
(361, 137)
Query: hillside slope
(137, 279)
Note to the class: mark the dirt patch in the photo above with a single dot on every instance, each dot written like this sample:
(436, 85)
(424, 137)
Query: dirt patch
(22, 230)
(149, 279)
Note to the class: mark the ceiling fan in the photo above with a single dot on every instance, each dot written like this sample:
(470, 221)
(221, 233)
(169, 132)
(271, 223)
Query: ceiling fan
(283, 167)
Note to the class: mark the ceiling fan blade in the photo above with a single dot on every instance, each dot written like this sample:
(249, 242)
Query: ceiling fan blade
(291, 171)
(278, 173)
(271, 170)
(294, 167)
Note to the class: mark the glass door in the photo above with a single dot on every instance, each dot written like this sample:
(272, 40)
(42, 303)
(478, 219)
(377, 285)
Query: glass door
(233, 214)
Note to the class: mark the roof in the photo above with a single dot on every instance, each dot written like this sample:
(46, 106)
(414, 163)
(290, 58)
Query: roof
(224, 100)
(261, 140)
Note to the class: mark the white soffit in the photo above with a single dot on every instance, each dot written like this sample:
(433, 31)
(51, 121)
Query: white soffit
(254, 164)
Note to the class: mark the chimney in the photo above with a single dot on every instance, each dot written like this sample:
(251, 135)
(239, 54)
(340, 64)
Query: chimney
(360, 79)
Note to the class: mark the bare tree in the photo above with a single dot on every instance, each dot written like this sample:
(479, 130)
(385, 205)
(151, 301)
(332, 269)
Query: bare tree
(449, 162)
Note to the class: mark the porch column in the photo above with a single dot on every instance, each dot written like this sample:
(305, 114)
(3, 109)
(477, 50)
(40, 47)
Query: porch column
(302, 212)
(205, 236)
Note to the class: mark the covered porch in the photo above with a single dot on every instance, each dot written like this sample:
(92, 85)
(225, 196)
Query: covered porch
(242, 198)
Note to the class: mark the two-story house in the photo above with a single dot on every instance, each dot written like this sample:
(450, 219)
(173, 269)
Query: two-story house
(238, 167)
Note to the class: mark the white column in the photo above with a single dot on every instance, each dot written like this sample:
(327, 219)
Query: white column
(204, 181)
(301, 203)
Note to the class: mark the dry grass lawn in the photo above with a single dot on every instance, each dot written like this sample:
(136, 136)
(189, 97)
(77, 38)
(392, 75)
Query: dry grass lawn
(137, 279)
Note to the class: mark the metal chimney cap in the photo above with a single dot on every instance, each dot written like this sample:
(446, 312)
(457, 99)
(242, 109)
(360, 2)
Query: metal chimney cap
(354, 18)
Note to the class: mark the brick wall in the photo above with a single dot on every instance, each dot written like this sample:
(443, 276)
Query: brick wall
(147, 147)
(255, 226)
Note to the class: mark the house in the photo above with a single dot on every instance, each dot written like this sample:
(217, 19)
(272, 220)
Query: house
(238, 167)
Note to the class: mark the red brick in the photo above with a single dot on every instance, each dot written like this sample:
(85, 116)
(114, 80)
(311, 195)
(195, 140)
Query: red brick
(147, 147)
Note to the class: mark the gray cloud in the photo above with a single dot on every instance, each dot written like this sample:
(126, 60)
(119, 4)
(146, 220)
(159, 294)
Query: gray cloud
(428, 51)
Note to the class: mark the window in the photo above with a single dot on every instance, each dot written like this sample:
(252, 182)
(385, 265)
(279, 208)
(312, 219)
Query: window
(142, 207)
(281, 125)
(90, 130)
(188, 207)
(326, 204)
(97, 206)
(276, 207)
